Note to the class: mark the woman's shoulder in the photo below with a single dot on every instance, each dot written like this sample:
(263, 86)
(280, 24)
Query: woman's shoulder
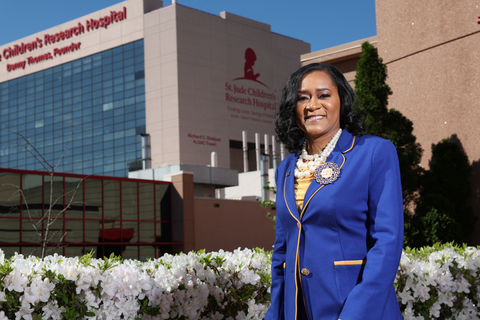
(374, 141)
(288, 159)
(285, 163)
(377, 149)
(375, 146)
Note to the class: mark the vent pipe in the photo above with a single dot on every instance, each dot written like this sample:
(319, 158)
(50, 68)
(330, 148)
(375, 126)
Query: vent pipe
(245, 151)
(264, 177)
(257, 150)
(267, 152)
(214, 159)
(274, 154)
(146, 153)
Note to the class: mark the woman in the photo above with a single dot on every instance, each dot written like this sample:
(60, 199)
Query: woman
(339, 229)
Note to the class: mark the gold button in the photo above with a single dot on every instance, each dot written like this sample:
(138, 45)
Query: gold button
(298, 225)
(305, 272)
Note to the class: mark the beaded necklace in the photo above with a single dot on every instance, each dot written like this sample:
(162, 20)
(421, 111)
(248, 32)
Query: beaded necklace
(307, 164)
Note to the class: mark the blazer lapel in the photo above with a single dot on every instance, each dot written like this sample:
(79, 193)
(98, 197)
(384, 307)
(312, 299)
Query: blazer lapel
(344, 143)
(289, 192)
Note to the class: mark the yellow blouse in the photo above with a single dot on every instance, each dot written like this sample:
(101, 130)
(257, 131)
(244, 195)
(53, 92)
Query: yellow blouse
(301, 186)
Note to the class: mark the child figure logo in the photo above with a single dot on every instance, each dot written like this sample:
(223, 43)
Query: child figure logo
(250, 58)
(249, 74)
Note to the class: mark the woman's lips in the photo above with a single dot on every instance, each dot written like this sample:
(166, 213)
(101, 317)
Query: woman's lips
(314, 118)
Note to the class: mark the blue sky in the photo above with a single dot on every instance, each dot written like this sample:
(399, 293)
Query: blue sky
(322, 23)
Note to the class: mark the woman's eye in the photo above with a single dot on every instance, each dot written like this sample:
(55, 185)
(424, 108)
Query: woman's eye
(324, 95)
(302, 98)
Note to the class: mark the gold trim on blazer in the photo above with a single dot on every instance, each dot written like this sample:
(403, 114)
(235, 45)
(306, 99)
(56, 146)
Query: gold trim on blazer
(298, 243)
(349, 262)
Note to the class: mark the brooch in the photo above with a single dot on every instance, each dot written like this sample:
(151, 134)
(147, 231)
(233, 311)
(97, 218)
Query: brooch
(327, 173)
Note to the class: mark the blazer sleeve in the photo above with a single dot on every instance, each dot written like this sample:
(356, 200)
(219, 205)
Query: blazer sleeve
(368, 299)
(277, 288)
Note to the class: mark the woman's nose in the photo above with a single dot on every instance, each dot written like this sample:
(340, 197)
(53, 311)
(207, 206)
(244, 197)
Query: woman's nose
(312, 104)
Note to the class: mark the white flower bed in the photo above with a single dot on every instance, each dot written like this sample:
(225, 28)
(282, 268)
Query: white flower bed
(218, 285)
(432, 283)
(439, 282)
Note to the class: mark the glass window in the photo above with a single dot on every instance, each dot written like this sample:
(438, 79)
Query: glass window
(111, 198)
(147, 232)
(68, 89)
(129, 201)
(139, 74)
(10, 200)
(39, 123)
(107, 106)
(146, 201)
(74, 231)
(163, 232)
(162, 196)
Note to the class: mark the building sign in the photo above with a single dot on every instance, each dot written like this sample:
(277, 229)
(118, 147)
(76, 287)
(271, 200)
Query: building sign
(247, 97)
(21, 49)
(205, 140)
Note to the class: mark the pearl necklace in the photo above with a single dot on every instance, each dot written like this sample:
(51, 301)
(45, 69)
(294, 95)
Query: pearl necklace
(307, 164)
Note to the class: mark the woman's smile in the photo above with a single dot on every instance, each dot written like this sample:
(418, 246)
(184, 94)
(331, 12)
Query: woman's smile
(314, 117)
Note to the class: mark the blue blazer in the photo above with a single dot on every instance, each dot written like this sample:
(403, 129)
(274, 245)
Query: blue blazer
(345, 245)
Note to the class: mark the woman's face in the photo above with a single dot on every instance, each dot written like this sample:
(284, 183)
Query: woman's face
(318, 106)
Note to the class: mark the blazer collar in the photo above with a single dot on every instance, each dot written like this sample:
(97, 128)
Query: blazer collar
(344, 144)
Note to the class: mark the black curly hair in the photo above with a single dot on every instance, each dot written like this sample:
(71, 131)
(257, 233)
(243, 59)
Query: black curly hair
(286, 126)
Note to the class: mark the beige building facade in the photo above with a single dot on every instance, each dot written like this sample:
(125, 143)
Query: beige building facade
(208, 79)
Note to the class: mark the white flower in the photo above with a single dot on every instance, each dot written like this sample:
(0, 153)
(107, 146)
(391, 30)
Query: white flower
(241, 316)
(421, 292)
(16, 281)
(216, 316)
(3, 316)
(249, 276)
(25, 311)
(52, 311)
(405, 296)
(462, 285)
(435, 310)
(39, 290)
(445, 298)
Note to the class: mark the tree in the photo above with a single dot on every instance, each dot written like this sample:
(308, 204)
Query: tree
(442, 214)
(373, 91)
(43, 220)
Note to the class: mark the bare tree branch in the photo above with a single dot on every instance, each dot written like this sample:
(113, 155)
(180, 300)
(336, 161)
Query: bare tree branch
(64, 150)
(47, 218)
(35, 153)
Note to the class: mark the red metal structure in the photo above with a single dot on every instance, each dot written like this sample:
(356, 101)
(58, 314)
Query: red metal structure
(128, 217)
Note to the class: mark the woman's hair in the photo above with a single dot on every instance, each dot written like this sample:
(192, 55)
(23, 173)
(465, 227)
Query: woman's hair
(286, 126)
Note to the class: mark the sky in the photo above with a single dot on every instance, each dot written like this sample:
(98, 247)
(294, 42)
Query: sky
(322, 23)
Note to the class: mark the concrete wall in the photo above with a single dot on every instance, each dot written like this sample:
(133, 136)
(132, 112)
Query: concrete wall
(214, 224)
(432, 53)
(232, 224)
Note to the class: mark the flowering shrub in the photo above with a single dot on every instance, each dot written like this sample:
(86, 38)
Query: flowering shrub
(440, 282)
(217, 285)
